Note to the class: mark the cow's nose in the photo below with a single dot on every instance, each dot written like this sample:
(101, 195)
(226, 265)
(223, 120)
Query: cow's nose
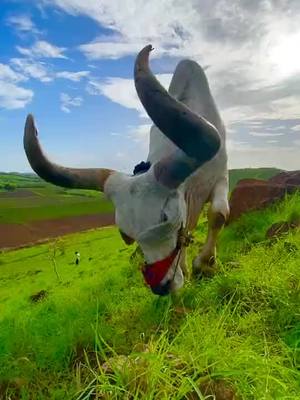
(162, 290)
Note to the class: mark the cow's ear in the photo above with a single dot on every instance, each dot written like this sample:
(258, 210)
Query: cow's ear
(127, 239)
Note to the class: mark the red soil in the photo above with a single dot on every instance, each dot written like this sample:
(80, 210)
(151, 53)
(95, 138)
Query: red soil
(17, 194)
(16, 235)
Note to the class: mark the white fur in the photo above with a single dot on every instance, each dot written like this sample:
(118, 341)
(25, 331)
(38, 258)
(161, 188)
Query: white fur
(140, 200)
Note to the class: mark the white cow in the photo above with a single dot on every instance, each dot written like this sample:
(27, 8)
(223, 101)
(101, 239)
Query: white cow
(187, 167)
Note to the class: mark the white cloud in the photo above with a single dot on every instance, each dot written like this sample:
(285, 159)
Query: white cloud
(32, 69)
(118, 90)
(39, 70)
(277, 128)
(250, 49)
(67, 102)
(22, 23)
(72, 76)
(265, 134)
(296, 128)
(285, 157)
(113, 50)
(122, 91)
(140, 135)
(42, 49)
(12, 96)
(8, 74)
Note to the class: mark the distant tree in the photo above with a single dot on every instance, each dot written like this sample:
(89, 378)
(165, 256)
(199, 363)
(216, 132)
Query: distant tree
(9, 186)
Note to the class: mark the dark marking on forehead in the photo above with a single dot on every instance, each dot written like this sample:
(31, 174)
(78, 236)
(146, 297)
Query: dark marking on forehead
(141, 167)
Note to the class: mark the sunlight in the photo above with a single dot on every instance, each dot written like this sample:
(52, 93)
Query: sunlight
(285, 56)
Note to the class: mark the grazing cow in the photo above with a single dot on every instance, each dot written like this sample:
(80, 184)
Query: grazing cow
(186, 167)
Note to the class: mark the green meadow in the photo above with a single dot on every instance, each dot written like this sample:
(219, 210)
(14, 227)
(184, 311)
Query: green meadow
(94, 331)
(32, 200)
(46, 204)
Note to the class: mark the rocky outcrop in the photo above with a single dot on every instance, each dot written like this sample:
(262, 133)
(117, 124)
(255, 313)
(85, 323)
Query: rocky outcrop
(255, 194)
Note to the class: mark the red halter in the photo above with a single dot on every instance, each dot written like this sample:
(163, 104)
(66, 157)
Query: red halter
(155, 273)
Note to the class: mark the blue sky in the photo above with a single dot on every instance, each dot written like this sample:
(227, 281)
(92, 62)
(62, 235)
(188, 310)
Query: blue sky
(70, 63)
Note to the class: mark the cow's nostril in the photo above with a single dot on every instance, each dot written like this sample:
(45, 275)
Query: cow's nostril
(162, 290)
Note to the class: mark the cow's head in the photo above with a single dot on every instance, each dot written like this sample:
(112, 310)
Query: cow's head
(150, 207)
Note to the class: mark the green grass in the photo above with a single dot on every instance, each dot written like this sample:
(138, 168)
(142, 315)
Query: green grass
(100, 332)
(21, 180)
(50, 203)
(46, 201)
(11, 212)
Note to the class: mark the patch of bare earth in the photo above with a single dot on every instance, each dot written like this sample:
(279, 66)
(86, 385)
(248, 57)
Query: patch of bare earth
(17, 235)
(18, 194)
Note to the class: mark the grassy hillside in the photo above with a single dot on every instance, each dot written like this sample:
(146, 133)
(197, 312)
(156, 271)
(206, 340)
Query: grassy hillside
(255, 173)
(20, 180)
(95, 331)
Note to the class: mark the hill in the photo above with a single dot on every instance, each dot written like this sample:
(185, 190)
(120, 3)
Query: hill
(254, 173)
(95, 331)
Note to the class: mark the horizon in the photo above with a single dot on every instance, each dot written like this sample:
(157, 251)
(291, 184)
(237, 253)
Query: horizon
(230, 169)
(78, 82)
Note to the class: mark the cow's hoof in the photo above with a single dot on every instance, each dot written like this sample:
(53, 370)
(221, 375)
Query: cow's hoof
(204, 268)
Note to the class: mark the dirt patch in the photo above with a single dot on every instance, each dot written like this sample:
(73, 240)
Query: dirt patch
(39, 296)
(12, 389)
(17, 235)
(218, 390)
(16, 194)
(282, 227)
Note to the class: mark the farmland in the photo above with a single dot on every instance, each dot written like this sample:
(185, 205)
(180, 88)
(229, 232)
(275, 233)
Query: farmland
(33, 210)
(32, 200)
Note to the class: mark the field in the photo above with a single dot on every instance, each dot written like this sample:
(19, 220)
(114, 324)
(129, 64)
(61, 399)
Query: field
(32, 204)
(94, 331)
(35, 211)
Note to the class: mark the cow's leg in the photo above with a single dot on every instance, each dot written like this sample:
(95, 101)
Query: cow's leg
(204, 263)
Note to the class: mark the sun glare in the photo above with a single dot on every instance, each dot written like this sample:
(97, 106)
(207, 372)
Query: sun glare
(285, 56)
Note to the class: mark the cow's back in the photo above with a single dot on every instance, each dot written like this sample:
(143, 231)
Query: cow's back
(190, 86)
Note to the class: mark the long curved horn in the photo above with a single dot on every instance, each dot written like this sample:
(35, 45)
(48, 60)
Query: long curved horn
(193, 134)
(89, 178)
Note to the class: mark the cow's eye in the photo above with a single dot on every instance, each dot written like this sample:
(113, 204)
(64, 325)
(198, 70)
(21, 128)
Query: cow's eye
(163, 217)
